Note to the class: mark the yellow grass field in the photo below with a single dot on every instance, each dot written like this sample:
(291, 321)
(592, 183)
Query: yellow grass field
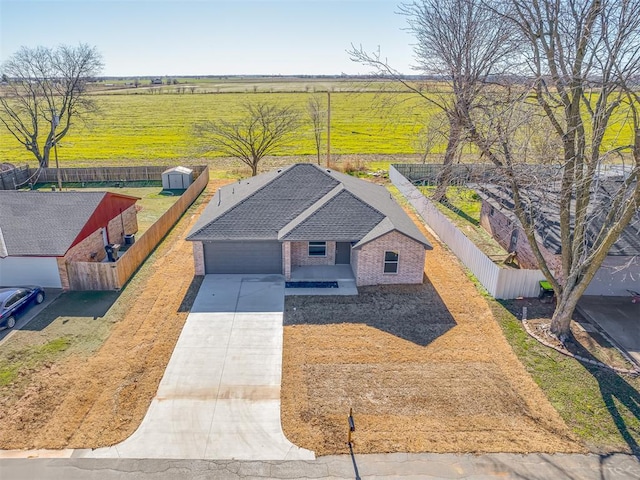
(137, 126)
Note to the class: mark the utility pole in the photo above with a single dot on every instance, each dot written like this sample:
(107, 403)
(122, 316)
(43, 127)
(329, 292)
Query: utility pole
(55, 121)
(328, 128)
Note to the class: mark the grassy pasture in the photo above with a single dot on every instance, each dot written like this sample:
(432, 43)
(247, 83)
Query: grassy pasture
(138, 127)
(146, 128)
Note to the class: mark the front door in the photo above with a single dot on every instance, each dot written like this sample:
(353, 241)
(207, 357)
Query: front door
(343, 253)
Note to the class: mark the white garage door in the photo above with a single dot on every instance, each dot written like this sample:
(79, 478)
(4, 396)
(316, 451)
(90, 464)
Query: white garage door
(42, 271)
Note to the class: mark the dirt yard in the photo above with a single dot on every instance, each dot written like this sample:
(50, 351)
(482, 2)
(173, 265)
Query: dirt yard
(425, 369)
(97, 396)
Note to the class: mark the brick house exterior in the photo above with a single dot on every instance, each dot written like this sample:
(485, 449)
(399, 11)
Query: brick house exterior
(302, 216)
(60, 228)
(368, 261)
(619, 272)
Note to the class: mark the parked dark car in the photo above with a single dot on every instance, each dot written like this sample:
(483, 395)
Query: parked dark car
(15, 300)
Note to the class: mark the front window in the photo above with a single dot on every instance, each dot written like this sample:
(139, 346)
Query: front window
(317, 249)
(390, 262)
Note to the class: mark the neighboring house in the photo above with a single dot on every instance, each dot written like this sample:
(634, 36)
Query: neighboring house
(305, 215)
(41, 232)
(619, 272)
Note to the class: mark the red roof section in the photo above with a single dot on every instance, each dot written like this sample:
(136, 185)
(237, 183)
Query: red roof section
(112, 205)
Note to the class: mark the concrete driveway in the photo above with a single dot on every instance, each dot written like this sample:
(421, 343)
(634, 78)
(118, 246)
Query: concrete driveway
(220, 395)
(618, 317)
(50, 294)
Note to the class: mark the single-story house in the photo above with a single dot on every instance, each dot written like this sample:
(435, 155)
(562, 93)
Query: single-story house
(619, 272)
(41, 232)
(304, 215)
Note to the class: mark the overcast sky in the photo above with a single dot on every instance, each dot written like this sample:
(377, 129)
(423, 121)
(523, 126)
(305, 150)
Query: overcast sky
(212, 37)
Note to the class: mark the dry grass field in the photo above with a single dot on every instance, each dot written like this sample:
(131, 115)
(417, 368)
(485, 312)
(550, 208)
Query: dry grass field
(73, 380)
(425, 369)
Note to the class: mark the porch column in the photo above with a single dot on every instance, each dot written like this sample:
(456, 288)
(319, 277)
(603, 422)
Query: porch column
(286, 260)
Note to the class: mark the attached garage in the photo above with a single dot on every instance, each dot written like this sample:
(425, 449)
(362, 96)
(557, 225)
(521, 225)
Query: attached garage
(42, 271)
(243, 257)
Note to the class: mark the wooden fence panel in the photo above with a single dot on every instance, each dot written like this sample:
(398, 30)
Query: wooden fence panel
(14, 178)
(140, 250)
(109, 174)
(500, 282)
(114, 275)
(92, 276)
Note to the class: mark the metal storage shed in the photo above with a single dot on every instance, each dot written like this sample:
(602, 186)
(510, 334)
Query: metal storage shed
(177, 178)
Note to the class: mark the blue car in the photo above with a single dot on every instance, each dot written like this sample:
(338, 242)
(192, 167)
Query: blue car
(15, 300)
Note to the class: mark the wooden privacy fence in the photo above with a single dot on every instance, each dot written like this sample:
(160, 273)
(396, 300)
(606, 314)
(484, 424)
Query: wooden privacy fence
(500, 282)
(15, 178)
(429, 174)
(114, 275)
(108, 174)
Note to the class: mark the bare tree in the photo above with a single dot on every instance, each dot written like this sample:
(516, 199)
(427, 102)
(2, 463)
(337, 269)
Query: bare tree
(583, 60)
(433, 133)
(462, 44)
(317, 115)
(260, 131)
(46, 92)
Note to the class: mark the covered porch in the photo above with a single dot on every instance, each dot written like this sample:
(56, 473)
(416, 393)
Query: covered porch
(307, 275)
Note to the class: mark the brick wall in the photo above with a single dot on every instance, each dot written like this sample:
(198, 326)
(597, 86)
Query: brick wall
(91, 249)
(286, 260)
(368, 261)
(83, 251)
(198, 257)
(354, 262)
(300, 255)
(64, 275)
(129, 219)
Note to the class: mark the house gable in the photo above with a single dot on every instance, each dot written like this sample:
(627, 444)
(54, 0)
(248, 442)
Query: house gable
(298, 202)
(343, 218)
(111, 205)
(261, 214)
(44, 223)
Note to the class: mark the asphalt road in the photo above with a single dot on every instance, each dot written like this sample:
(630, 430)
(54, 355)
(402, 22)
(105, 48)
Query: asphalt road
(382, 466)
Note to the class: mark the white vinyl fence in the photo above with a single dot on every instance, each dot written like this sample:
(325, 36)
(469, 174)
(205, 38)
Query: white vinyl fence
(500, 282)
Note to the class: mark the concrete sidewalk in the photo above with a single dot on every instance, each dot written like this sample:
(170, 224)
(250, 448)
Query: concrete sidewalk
(220, 395)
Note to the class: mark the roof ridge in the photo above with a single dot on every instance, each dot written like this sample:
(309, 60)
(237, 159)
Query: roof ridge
(241, 202)
(310, 211)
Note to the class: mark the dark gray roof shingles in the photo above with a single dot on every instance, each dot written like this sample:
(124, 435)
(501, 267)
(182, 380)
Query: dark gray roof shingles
(44, 223)
(343, 218)
(263, 212)
(302, 202)
(547, 216)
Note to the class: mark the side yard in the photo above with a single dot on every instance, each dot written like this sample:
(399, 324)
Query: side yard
(425, 368)
(83, 374)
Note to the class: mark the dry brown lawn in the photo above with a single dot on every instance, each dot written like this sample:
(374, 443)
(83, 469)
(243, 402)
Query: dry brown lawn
(425, 369)
(91, 399)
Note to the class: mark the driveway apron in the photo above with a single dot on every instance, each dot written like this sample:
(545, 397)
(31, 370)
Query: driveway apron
(220, 395)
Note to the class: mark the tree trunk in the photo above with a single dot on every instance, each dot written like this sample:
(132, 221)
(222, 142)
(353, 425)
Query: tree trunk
(455, 137)
(561, 319)
(43, 159)
(254, 168)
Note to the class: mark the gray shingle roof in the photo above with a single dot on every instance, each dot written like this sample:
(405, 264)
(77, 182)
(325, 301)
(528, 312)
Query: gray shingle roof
(342, 218)
(303, 202)
(547, 220)
(43, 223)
(261, 206)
